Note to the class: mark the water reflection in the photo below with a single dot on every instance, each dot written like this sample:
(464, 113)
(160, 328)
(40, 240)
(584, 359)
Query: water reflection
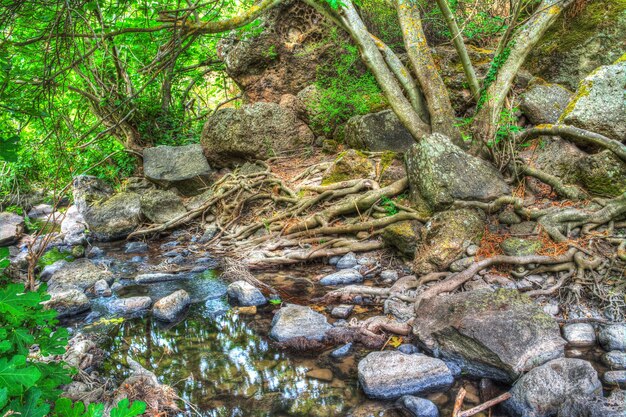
(224, 367)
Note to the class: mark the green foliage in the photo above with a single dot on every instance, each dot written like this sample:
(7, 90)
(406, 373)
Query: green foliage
(496, 64)
(389, 206)
(29, 386)
(507, 125)
(52, 256)
(345, 89)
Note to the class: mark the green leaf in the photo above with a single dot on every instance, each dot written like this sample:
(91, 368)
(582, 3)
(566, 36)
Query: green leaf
(123, 408)
(16, 375)
(64, 407)
(4, 397)
(32, 406)
(9, 148)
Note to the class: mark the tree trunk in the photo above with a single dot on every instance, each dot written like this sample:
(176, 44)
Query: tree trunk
(375, 62)
(442, 117)
(487, 118)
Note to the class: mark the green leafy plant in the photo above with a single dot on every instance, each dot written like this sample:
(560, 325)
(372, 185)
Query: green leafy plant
(389, 206)
(28, 386)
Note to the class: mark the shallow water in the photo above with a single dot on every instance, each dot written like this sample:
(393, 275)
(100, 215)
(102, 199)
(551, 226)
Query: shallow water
(221, 362)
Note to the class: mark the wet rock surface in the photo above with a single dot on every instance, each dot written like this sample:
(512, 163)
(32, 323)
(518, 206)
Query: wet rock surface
(68, 302)
(11, 228)
(82, 274)
(246, 294)
(342, 277)
(170, 307)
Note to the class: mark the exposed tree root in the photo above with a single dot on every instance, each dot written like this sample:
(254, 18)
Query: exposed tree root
(571, 132)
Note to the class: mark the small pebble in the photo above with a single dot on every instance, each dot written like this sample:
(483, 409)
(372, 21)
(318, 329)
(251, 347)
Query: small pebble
(472, 250)
(579, 334)
(342, 311)
(615, 360)
(408, 349)
(342, 351)
(615, 378)
(389, 275)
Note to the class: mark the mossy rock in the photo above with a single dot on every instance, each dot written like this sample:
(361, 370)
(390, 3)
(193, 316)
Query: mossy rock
(404, 237)
(349, 165)
(515, 246)
(602, 174)
(493, 334)
(449, 234)
(574, 46)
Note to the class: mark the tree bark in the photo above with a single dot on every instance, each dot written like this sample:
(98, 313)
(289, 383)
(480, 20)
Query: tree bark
(442, 117)
(524, 40)
(375, 62)
(459, 45)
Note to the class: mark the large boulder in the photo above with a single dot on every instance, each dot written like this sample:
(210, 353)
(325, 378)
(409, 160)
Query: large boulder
(282, 57)
(391, 374)
(253, 131)
(298, 321)
(474, 328)
(161, 206)
(542, 391)
(557, 156)
(449, 234)
(544, 103)
(349, 165)
(182, 167)
(579, 42)
(11, 228)
(131, 306)
(599, 104)
(109, 216)
(603, 173)
(82, 274)
(440, 173)
(376, 132)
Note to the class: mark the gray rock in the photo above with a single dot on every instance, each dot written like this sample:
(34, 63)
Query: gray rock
(419, 407)
(73, 227)
(440, 173)
(49, 270)
(597, 406)
(161, 206)
(377, 132)
(82, 274)
(541, 391)
(341, 351)
(11, 228)
(136, 247)
(615, 360)
(474, 330)
(95, 252)
(68, 302)
(209, 233)
(342, 311)
(246, 294)
(349, 165)
(544, 103)
(298, 321)
(342, 277)
(552, 309)
(109, 216)
(615, 378)
(389, 275)
(391, 374)
(461, 264)
(251, 132)
(408, 349)
(472, 250)
(579, 334)
(347, 261)
(159, 277)
(138, 185)
(613, 337)
(599, 104)
(333, 260)
(182, 167)
(131, 306)
(101, 289)
(41, 212)
(401, 310)
(169, 308)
